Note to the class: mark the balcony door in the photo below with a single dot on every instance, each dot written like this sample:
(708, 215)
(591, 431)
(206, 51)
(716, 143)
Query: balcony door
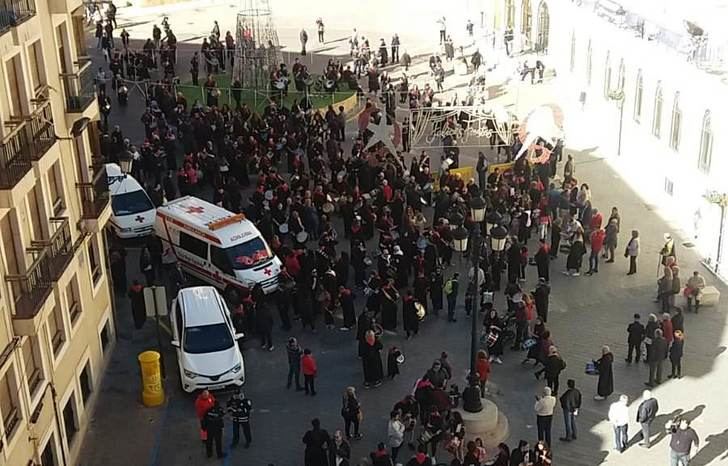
(17, 97)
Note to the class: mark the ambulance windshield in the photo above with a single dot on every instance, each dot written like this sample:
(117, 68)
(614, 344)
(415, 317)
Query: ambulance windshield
(249, 254)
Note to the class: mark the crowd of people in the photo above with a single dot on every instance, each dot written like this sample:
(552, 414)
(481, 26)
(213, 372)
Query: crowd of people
(306, 181)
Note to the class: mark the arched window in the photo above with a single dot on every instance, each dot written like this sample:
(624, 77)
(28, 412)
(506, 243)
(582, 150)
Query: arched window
(607, 76)
(526, 21)
(706, 144)
(572, 58)
(657, 113)
(638, 90)
(588, 63)
(621, 75)
(675, 123)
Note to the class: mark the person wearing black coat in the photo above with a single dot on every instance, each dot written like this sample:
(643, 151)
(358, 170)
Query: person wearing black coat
(514, 262)
(372, 360)
(636, 333)
(346, 298)
(409, 315)
(570, 404)
(646, 413)
(543, 261)
(138, 308)
(264, 321)
(650, 328)
(541, 298)
(318, 442)
(605, 384)
(676, 354)
(214, 423)
(655, 358)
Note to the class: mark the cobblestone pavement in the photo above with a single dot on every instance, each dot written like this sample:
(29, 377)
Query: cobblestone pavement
(586, 312)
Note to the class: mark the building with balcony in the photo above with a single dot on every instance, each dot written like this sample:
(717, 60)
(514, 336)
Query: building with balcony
(56, 322)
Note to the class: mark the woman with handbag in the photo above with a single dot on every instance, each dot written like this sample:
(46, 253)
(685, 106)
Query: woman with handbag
(351, 412)
(605, 384)
(432, 434)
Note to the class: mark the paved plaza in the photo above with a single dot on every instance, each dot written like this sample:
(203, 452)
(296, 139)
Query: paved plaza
(585, 313)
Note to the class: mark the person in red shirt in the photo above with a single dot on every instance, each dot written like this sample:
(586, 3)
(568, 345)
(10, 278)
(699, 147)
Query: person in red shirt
(204, 402)
(482, 367)
(310, 370)
(597, 241)
(292, 263)
(596, 220)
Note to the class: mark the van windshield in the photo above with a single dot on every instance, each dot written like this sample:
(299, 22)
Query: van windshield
(247, 255)
(130, 203)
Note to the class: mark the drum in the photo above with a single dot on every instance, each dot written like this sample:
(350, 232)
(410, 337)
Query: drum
(268, 195)
(302, 237)
(420, 311)
(491, 339)
(328, 208)
(378, 330)
(399, 357)
(283, 228)
(329, 84)
(367, 261)
(279, 85)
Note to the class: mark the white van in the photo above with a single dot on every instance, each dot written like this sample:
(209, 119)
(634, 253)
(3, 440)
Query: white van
(133, 213)
(216, 245)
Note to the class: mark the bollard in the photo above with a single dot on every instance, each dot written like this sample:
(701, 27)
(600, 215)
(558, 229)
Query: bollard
(152, 392)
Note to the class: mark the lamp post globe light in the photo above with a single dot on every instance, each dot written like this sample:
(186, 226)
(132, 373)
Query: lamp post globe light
(477, 208)
(460, 239)
(498, 237)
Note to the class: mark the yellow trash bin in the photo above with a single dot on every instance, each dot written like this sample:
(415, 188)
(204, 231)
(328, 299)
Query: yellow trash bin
(152, 392)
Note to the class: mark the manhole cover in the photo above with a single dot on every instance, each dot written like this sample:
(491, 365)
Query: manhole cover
(688, 244)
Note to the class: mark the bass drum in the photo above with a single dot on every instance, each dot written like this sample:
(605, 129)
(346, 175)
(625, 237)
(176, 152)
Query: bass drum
(421, 312)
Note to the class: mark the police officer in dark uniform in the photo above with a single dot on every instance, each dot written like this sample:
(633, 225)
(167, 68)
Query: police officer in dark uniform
(239, 408)
(213, 423)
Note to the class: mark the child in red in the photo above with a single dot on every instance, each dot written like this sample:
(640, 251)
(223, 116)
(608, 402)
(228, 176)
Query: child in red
(309, 368)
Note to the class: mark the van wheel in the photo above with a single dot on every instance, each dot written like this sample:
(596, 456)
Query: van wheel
(232, 295)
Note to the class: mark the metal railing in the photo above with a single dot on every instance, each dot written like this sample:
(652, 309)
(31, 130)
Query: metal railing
(94, 195)
(59, 248)
(41, 131)
(30, 289)
(31, 138)
(15, 158)
(79, 88)
(14, 12)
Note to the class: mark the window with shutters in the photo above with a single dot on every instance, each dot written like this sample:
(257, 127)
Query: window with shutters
(33, 364)
(657, 112)
(675, 123)
(706, 144)
(9, 404)
(638, 92)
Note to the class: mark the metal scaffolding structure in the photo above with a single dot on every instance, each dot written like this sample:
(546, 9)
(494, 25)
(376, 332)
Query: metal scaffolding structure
(258, 51)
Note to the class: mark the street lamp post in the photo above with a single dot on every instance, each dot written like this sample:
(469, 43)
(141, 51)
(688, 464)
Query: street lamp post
(471, 395)
(721, 200)
(618, 96)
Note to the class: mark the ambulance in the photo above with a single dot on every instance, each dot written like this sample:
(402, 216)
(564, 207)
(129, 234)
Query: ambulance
(133, 213)
(217, 246)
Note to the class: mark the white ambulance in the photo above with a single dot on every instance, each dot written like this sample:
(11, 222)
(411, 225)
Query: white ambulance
(216, 245)
(133, 212)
